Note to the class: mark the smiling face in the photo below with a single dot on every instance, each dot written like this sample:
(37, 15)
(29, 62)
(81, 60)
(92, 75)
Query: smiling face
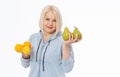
(49, 23)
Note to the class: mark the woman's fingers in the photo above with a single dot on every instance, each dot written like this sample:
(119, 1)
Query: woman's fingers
(71, 36)
(72, 40)
(25, 56)
(76, 38)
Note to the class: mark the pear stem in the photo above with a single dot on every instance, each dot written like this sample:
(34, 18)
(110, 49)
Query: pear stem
(75, 27)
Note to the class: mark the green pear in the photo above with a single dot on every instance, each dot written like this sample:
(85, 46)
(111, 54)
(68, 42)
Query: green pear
(65, 34)
(77, 32)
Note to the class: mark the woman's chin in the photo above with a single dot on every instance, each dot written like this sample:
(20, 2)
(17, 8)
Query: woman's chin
(50, 32)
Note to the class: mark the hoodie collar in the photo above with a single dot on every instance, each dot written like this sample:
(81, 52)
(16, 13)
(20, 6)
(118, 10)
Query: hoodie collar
(52, 37)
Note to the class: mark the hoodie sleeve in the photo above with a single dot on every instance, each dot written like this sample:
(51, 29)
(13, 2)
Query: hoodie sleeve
(26, 62)
(67, 65)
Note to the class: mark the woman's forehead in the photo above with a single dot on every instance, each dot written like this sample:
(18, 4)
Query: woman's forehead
(50, 13)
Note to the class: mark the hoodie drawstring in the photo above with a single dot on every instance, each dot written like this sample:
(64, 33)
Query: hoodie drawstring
(38, 50)
(43, 54)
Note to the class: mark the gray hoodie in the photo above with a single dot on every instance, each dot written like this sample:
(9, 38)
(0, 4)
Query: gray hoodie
(46, 57)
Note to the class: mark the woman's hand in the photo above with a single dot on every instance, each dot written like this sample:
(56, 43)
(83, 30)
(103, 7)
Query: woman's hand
(25, 56)
(65, 47)
(71, 39)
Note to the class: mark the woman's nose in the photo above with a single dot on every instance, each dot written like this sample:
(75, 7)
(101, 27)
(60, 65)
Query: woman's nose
(50, 23)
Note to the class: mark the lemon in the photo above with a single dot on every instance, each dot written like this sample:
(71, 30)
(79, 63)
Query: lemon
(26, 50)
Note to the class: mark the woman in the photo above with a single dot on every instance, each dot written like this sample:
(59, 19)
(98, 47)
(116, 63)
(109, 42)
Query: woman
(50, 56)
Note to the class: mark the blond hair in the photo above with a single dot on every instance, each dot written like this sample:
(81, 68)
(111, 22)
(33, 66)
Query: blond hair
(55, 10)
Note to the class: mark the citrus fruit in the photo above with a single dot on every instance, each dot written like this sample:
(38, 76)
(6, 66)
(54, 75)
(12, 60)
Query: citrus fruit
(26, 50)
(18, 47)
(27, 43)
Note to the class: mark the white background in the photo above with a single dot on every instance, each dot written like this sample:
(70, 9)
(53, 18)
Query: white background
(98, 53)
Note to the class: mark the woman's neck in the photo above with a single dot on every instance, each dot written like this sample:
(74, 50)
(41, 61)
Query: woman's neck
(46, 36)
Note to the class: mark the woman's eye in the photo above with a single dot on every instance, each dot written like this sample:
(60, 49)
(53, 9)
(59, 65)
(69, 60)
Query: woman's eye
(54, 20)
(47, 19)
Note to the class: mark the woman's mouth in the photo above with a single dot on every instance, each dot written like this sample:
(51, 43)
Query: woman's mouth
(50, 27)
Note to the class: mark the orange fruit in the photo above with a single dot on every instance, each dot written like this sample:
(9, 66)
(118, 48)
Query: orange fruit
(18, 47)
(26, 50)
(27, 43)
